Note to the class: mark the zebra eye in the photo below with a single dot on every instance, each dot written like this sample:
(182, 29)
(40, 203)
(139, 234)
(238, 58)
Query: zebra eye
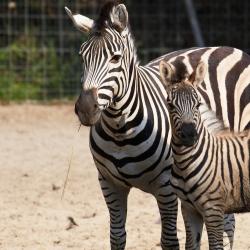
(115, 58)
(170, 106)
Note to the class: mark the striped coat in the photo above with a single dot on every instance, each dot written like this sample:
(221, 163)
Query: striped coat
(124, 103)
(211, 171)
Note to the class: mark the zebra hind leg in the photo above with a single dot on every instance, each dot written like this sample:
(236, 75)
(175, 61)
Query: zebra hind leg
(229, 227)
(116, 200)
(168, 207)
(193, 225)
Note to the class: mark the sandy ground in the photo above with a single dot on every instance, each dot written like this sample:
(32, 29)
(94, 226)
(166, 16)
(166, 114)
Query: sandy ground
(35, 148)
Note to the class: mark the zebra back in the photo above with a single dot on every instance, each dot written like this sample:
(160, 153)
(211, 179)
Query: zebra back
(226, 86)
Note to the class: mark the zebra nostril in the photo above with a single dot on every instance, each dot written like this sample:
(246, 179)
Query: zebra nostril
(183, 135)
(188, 131)
(190, 134)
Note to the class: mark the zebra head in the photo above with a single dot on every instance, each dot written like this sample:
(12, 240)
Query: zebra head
(106, 56)
(183, 102)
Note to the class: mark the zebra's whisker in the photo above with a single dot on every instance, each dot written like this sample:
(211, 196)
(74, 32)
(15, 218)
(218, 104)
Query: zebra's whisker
(79, 127)
(69, 164)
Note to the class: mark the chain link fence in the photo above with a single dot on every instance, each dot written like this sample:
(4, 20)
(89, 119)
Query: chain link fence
(39, 45)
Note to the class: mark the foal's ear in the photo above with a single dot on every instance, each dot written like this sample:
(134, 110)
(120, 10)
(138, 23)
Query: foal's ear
(166, 73)
(82, 23)
(119, 17)
(197, 77)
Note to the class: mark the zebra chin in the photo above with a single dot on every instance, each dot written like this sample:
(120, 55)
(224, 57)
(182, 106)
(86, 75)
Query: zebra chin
(87, 119)
(90, 121)
(188, 142)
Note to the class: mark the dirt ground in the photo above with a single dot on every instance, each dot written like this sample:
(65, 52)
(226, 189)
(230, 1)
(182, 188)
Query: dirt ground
(35, 147)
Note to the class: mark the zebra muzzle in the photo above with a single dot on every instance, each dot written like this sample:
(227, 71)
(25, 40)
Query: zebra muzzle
(188, 134)
(87, 108)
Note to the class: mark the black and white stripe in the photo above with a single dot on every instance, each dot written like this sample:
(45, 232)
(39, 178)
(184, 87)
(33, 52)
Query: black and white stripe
(130, 130)
(211, 169)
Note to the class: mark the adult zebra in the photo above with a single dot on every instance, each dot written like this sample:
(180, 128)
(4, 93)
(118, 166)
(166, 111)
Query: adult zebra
(124, 103)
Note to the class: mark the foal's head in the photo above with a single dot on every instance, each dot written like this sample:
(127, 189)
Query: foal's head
(183, 102)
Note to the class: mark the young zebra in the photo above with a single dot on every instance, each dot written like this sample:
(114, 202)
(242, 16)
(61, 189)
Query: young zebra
(124, 103)
(211, 174)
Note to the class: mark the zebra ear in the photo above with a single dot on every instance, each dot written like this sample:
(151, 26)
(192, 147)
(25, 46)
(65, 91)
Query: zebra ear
(197, 77)
(119, 17)
(166, 73)
(82, 23)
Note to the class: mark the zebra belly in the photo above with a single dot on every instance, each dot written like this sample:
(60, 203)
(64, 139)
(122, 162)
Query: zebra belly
(123, 169)
(232, 200)
(142, 158)
(238, 200)
(239, 209)
(199, 198)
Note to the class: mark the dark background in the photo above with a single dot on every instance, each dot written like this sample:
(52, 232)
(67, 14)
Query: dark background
(39, 45)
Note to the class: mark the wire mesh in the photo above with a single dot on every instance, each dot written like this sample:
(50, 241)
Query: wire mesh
(39, 46)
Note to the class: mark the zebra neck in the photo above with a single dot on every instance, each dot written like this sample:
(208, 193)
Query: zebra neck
(130, 114)
(208, 128)
(185, 157)
(126, 108)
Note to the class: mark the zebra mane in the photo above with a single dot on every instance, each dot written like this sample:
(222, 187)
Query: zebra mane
(181, 72)
(101, 22)
(212, 123)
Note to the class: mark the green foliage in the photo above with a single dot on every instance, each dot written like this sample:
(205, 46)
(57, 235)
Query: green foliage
(30, 71)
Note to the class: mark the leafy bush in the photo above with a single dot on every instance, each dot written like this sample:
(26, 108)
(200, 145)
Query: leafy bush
(30, 71)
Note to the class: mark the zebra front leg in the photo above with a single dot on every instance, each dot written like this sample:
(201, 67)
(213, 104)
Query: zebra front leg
(214, 221)
(116, 200)
(229, 227)
(168, 206)
(193, 226)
